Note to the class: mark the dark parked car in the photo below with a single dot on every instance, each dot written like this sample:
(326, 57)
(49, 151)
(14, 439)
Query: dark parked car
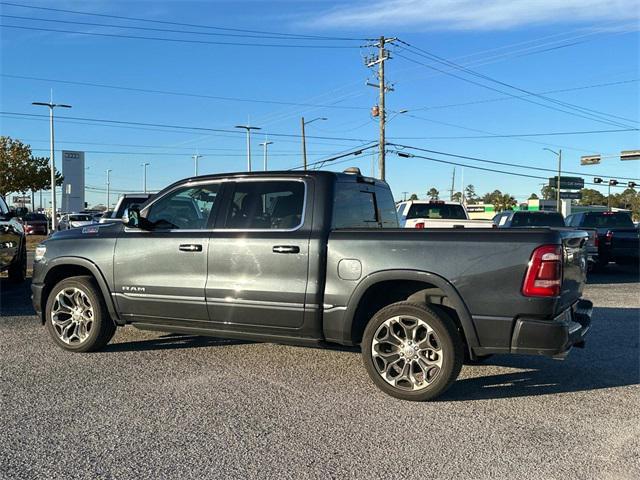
(13, 245)
(528, 219)
(311, 258)
(35, 224)
(618, 239)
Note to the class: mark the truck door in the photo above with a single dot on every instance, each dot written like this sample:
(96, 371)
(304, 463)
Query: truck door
(259, 256)
(160, 273)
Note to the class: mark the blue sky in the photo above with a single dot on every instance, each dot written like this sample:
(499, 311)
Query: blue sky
(538, 46)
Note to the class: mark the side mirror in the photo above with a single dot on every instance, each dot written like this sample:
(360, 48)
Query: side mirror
(7, 216)
(131, 217)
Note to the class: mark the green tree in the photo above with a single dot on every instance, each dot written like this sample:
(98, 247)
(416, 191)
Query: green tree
(533, 196)
(20, 171)
(413, 197)
(504, 202)
(548, 192)
(470, 194)
(491, 197)
(433, 193)
(591, 196)
(457, 197)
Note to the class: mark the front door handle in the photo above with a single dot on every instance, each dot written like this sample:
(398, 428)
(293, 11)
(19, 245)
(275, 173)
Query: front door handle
(190, 247)
(286, 249)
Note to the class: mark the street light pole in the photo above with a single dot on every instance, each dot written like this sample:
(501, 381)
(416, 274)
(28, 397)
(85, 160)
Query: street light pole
(559, 155)
(144, 176)
(196, 157)
(51, 106)
(304, 138)
(265, 145)
(248, 129)
(108, 187)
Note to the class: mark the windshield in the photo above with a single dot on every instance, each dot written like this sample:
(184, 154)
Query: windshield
(35, 217)
(607, 220)
(80, 218)
(529, 219)
(436, 211)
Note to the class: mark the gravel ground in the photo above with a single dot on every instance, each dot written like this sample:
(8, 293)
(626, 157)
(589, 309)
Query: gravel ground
(161, 406)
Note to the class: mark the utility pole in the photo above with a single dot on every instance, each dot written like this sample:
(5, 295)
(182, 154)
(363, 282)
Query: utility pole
(383, 55)
(265, 145)
(51, 105)
(404, 194)
(304, 138)
(196, 157)
(453, 183)
(559, 183)
(248, 128)
(144, 176)
(108, 187)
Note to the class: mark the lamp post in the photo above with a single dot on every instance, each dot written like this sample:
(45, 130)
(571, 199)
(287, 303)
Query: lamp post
(108, 186)
(559, 155)
(51, 106)
(265, 145)
(196, 157)
(144, 176)
(304, 138)
(248, 129)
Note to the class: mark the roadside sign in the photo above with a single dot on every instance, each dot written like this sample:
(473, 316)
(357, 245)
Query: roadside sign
(567, 183)
(590, 160)
(475, 208)
(23, 200)
(570, 195)
(630, 155)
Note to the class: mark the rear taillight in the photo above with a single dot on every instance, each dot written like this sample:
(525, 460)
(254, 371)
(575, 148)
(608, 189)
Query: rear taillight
(596, 240)
(608, 237)
(544, 274)
(419, 225)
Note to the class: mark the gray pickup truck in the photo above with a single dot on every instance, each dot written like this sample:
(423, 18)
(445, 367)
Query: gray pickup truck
(316, 258)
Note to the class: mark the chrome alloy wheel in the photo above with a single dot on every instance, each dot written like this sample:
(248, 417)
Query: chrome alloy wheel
(72, 315)
(407, 353)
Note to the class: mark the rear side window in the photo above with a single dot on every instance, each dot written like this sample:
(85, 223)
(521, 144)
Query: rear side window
(354, 206)
(607, 220)
(522, 219)
(268, 205)
(436, 211)
(386, 208)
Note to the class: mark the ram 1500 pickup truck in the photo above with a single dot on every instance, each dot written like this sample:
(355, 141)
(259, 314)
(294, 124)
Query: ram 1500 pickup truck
(316, 258)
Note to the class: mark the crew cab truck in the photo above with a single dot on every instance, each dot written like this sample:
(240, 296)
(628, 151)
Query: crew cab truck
(13, 245)
(437, 214)
(314, 258)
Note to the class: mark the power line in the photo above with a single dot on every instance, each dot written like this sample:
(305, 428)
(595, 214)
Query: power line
(495, 162)
(516, 135)
(165, 22)
(595, 114)
(176, 154)
(181, 127)
(178, 40)
(357, 151)
(182, 94)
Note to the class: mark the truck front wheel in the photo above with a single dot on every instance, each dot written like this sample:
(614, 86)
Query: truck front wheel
(76, 315)
(411, 352)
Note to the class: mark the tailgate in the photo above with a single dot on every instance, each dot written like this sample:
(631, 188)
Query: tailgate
(574, 245)
(624, 241)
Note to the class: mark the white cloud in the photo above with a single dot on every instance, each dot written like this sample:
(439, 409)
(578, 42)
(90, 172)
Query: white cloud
(474, 14)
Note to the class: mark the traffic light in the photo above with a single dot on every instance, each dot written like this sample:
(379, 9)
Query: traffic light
(597, 180)
(613, 182)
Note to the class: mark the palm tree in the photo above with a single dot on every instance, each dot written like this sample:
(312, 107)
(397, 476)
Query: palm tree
(433, 193)
(503, 202)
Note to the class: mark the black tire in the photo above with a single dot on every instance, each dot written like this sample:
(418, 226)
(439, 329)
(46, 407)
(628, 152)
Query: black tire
(102, 327)
(17, 272)
(450, 342)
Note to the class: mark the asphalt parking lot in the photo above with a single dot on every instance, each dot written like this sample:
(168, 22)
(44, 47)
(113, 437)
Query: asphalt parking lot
(162, 406)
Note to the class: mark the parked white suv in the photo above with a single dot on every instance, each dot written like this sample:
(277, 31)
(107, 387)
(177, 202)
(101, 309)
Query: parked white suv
(437, 214)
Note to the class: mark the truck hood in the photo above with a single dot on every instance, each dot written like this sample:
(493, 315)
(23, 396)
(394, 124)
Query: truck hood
(92, 230)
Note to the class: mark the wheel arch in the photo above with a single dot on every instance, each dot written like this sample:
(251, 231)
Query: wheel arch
(383, 288)
(67, 267)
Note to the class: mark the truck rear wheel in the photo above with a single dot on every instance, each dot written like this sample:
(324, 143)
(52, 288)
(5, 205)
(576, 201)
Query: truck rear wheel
(76, 315)
(411, 352)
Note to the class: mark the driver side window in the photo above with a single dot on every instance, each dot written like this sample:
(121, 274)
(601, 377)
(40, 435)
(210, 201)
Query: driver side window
(186, 208)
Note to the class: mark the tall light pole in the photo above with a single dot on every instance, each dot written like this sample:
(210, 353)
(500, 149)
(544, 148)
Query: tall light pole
(144, 176)
(108, 187)
(51, 106)
(196, 157)
(559, 155)
(248, 129)
(265, 145)
(304, 138)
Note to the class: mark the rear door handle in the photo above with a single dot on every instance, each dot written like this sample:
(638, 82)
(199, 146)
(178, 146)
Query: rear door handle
(190, 247)
(286, 249)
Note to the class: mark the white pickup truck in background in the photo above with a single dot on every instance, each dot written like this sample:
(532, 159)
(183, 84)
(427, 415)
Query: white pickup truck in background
(437, 214)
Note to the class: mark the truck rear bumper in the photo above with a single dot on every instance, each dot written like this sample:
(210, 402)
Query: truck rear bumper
(553, 337)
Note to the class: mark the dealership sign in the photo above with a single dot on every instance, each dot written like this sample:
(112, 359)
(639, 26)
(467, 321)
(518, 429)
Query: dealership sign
(567, 183)
(570, 195)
